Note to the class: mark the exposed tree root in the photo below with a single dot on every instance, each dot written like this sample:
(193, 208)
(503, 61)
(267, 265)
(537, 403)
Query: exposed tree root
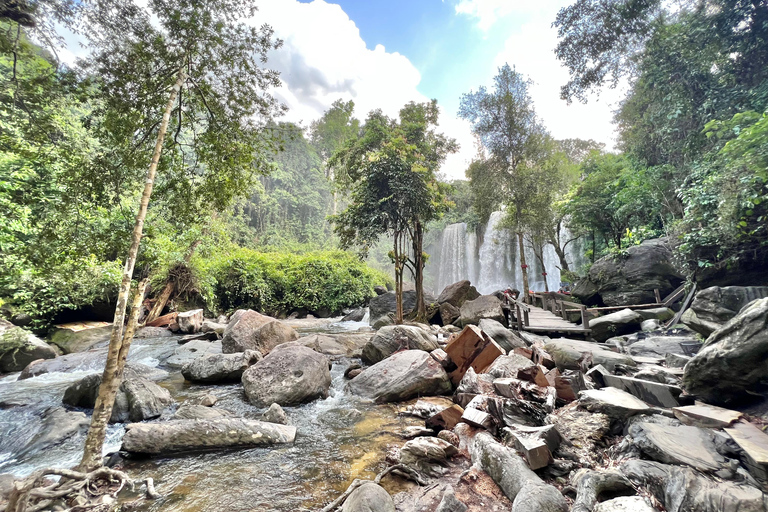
(397, 469)
(74, 492)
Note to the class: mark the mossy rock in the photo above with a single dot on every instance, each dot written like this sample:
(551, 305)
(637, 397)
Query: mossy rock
(18, 348)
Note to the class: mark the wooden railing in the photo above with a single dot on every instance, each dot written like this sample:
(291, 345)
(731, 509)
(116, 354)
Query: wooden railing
(558, 307)
(522, 314)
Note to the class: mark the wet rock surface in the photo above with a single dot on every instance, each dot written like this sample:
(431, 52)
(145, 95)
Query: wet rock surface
(402, 376)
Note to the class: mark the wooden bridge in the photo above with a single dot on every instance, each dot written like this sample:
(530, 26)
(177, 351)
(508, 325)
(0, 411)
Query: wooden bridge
(552, 316)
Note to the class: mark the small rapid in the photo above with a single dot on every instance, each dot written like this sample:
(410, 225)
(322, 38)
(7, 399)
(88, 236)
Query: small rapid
(339, 438)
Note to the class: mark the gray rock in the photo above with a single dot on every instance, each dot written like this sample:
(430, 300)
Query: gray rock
(250, 330)
(506, 338)
(369, 497)
(612, 402)
(660, 314)
(568, 353)
(211, 326)
(200, 412)
(289, 375)
(355, 316)
(427, 455)
(18, 348)
(625, 504)
(137, 399)
(527, 491)
(275, 414)
(507, 366)
(336, 345)
(190, 321)
(650, 325)
(683, 445)
(184, 435)
(390, 339)
(208, 400)
(457, 294)
(621, 322)
(654, 393)
(713, 307)
(449, 501)
(57, 426)
(631, 279)
(212, 368)
(485, 306)
(382, 305)
(449, 313)
(70, 341)
(191, 351)
(734, 360)
(659, 346)
(681, 489)
(402, 376)
(676, 360)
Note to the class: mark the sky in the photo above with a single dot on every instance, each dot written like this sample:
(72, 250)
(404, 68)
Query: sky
(384, 53)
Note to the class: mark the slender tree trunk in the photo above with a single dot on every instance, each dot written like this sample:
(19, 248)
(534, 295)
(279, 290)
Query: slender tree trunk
(112, 376)
(594, 246)
(418, 259)
(523, 264)
(561, 255)
(398, 279)
(540, 257)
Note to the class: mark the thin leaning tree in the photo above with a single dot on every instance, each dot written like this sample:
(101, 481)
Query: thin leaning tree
(185, 96)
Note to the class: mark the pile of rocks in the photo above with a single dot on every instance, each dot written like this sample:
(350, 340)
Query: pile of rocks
(629, 424)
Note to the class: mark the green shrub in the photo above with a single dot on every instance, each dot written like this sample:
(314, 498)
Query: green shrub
(277, 283)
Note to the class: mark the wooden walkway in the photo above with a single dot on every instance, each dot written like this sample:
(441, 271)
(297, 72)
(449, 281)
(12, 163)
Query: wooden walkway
(552, 317)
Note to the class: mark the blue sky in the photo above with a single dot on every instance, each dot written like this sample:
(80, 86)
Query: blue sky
(382, 54)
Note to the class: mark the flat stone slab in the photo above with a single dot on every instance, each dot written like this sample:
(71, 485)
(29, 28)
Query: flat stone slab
(653, 393)
(707, 416)
(754, 442)
(691, 446)
(612, 402)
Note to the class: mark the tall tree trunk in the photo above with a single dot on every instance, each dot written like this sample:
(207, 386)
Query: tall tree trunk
(561, 255)
(418, 259)
(112, 376)
(539, 252)
(398, 279)
(523, 264)
(594, 246)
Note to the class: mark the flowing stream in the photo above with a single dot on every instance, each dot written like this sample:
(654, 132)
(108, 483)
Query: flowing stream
(339, 439)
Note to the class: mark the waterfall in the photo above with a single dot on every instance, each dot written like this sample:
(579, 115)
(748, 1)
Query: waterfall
(494, 264)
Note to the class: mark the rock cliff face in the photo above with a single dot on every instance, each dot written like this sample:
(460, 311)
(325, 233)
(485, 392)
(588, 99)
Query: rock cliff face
(631, 279)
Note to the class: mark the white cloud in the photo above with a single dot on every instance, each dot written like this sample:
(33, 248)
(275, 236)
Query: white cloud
(486, 11)
(324, 59)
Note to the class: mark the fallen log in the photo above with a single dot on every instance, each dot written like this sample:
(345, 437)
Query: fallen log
(186, 435)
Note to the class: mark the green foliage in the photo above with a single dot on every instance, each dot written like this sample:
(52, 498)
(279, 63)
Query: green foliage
(277, 283)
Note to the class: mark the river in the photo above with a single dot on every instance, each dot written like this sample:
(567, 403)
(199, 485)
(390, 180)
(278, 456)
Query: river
(339, 439)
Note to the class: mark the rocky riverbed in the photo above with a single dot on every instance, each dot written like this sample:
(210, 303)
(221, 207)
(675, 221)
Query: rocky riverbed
(262, 414)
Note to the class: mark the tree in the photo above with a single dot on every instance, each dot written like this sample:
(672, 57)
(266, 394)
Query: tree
(514, 139)
(329, 134)
(392, 171)
(195, 74)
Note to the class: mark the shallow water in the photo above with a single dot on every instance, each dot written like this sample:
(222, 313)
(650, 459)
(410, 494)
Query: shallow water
(339, 439)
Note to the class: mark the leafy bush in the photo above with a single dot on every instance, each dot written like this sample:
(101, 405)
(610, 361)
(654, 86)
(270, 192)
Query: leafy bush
(277, 283)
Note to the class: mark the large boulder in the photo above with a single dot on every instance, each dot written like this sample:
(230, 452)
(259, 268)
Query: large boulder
(369, 497)
(485, 306)
(713, 307)
(190, 321)
(506, 338)
(631, 278)
(220, 367)
(402, 376)
(385, 304)
(568, 354)
(458, 293)
(70, 340)
(659, 345)
(192, 350)
(392, 338)
(137, 399)
(290, 375)
(449, 313)
(337, 345)
(734, 361)
(250, 330)
(621, 322)
(57, 426)
(18, 348)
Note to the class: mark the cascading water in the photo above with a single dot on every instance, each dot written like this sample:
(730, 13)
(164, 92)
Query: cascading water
(494, 264)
